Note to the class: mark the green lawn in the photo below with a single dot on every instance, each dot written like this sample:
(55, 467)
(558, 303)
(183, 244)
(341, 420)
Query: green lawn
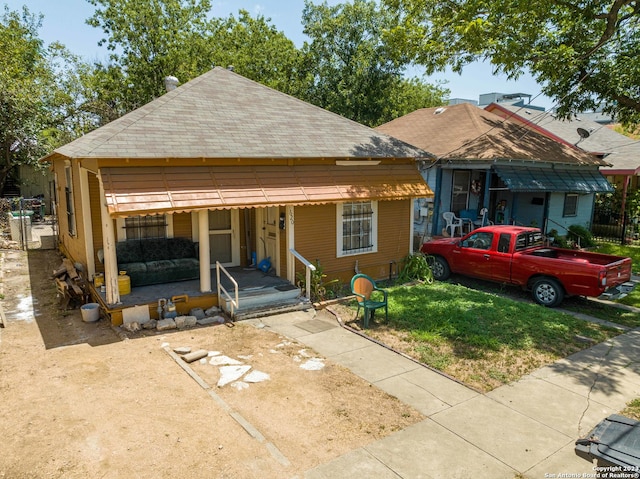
(481, 339)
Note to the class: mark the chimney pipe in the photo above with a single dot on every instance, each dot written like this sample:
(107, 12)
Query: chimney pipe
(171, 83)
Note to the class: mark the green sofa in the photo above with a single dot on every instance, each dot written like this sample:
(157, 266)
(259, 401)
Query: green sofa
(158, 260)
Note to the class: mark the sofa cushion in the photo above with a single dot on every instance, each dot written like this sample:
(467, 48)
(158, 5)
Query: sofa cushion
(181, 248)
(155, 249)
(129, 252)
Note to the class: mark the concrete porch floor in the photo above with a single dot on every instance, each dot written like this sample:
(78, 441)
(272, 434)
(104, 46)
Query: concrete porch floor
(188, 293)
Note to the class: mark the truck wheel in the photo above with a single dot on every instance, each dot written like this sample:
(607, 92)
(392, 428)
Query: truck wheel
(440, 268)
(547, 292)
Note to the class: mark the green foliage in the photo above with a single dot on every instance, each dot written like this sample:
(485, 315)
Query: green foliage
(320, 290)
(581, 236)
(581, 53)
(415, 267)
(351, 69)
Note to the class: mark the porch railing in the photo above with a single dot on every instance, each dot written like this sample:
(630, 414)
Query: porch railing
(226, 297)
(308, 268)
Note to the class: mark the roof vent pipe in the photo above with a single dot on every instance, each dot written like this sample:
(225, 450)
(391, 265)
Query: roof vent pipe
(171, 83)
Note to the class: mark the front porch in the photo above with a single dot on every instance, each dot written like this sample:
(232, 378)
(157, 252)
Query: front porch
(256, 290)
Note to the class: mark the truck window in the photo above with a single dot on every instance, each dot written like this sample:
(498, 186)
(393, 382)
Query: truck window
(503, 243)
(478, 241)
(529, 240)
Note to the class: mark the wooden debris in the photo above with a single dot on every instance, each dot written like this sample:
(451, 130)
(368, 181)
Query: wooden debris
(70, 285)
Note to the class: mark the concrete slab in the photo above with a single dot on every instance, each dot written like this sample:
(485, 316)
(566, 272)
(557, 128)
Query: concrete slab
(415, 396)
(554, 406)
(428, 450)
(316, 325)
(606, 386)
(357, 463)
(374, 363)
(426, 390)
(445, 389)
(513, 438)
(335, 342)
(563, 463)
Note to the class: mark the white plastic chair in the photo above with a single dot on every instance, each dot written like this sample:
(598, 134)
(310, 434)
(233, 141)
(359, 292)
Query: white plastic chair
(483, 214)
(453, 222)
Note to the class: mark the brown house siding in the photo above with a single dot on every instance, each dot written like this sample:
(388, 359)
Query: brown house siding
(315, 239)
(182, 225)
(96, 222)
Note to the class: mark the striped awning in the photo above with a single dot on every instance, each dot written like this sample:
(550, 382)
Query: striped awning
(523, 179)
(136, 191)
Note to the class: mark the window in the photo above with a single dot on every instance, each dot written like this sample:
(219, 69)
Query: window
(478, 241)
(357, 227)
(139, 227)
(68, 196)
(529, 240)
(460, 190)
(570, 205)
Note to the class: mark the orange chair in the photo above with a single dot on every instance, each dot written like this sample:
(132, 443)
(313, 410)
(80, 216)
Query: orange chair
(363, 287)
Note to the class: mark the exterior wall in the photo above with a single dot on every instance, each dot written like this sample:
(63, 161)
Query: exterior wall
(72, 245)
(35, 182)
(96, 222)
(560, 223)
(315, 239)
(182, 225)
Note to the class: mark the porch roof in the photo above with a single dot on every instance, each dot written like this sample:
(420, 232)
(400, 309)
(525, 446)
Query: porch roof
(152, 190)
(520, 179)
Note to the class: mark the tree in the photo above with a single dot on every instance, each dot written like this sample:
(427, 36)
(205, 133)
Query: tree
(27, 93)
(149, 41)
(256, 50)
(584, 55)
(350, 68)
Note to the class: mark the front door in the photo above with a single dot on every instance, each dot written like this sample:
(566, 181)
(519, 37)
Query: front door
(267, 219)
(224, 245)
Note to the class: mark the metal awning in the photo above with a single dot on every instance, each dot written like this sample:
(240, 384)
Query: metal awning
(152, 190)
(523, 179)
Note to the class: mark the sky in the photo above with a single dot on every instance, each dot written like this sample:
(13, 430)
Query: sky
(64, 21)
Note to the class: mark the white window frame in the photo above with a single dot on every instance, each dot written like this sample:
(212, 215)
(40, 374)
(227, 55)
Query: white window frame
(340, 230)
(69, 199)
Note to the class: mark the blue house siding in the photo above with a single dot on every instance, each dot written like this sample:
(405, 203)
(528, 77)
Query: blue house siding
(559, 222)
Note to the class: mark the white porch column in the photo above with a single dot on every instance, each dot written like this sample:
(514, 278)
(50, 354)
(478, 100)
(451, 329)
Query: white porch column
(109, 248)
(290, 229)
(204, 252)
(86, 222)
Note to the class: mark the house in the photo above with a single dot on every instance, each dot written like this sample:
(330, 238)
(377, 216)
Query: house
(520, 176)
(252, 176)
(620, 152)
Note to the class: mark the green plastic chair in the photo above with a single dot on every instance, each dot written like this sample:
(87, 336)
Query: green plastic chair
(363, 287)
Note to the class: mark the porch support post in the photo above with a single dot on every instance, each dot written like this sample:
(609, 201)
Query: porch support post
(205, 256)
(291, 261)
(109, 248)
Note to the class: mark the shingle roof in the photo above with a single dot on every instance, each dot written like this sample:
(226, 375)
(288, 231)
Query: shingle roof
(221, 114)
(466, 132)
(623, 153)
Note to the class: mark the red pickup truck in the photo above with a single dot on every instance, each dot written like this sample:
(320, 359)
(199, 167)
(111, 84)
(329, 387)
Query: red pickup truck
(518, 255)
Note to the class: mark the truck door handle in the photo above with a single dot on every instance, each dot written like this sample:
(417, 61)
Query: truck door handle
(486, 256)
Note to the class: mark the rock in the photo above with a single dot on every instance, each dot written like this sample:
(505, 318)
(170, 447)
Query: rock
(212, 311)
(229, 374)
(197, 312)
(151, 324)
(182, 350)
(206, 321)
(184, 322)
(194, 356)
(132, 327)
(166, 324)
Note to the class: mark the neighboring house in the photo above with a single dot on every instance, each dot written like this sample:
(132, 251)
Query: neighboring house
(620, 152)
(246, 172)
(520, 176)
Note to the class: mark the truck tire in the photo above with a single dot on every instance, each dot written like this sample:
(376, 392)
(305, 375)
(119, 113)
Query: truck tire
(547, 292)
(440, 268)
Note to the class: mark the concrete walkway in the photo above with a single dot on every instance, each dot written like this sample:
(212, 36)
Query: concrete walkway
(527, 427)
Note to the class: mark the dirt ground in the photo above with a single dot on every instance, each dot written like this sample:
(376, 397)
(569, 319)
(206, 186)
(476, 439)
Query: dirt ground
(80, 400)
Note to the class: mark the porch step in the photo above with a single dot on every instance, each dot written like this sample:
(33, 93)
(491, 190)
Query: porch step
(263, 301)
